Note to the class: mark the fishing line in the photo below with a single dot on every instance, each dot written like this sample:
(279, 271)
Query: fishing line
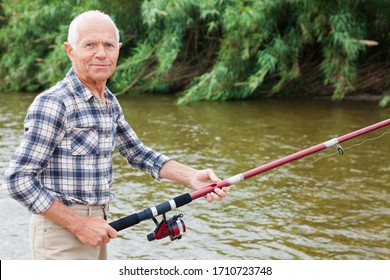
(339, 150)
(366, 140)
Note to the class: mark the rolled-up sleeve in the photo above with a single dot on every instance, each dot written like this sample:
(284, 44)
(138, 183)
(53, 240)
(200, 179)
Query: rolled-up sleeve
(43, 129)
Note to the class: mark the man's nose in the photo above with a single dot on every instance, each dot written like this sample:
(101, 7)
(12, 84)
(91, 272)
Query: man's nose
(100, 52)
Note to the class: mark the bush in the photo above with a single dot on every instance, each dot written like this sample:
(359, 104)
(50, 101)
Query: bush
(211, 50)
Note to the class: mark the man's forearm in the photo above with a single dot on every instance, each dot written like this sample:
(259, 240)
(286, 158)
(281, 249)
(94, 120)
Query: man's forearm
(175, 171)
(63, 216)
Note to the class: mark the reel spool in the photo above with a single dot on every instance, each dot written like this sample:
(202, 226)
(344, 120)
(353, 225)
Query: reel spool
(174, 228)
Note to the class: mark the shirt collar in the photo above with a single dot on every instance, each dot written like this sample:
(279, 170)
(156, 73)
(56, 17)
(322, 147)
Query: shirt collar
(78, 86)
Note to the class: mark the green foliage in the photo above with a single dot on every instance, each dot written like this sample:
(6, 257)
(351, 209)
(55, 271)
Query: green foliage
(175, 49)
(257, 47)
(22, 56)
(210, 50)
(31, 40)
(276, 34)
(385, 101)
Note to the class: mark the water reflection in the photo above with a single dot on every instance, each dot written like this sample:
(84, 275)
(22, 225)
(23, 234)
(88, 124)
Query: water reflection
(335, 208)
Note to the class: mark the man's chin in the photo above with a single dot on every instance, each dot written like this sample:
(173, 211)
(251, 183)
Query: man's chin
(101, 76)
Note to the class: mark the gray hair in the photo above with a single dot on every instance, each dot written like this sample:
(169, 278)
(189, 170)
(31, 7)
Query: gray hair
(73, 33)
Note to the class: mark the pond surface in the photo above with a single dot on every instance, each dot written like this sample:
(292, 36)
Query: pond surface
(325, 206)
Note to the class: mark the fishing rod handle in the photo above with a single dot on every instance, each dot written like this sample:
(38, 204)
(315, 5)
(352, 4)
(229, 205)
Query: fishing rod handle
(151, 212)
(209, 189)
(125, 222)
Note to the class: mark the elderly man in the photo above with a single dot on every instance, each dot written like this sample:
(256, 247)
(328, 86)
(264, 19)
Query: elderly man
(62, 170)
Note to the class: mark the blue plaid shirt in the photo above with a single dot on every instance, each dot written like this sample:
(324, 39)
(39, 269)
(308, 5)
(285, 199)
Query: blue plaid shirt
(67, 149)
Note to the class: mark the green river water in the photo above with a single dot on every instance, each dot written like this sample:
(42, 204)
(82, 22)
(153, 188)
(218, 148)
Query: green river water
(325, 206)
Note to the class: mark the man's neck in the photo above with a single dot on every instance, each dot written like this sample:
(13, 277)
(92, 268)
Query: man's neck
(97, 88)
(97, 91)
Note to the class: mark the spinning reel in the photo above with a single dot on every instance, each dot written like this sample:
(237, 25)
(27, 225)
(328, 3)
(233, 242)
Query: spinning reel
(174, 227)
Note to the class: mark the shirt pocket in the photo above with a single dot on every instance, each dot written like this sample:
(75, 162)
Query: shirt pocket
(84, 140)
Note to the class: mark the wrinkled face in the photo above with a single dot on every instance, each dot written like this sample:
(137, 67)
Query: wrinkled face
(97, 50)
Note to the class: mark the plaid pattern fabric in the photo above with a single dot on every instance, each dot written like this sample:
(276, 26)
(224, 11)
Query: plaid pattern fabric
(67, 148)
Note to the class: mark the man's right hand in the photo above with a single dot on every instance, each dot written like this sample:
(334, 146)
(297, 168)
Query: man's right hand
(93, 231)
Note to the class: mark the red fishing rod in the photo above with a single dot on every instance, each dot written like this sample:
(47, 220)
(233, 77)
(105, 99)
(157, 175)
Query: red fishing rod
(174, 226)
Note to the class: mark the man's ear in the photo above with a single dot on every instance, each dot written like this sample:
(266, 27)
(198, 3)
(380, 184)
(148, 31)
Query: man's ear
(69, 50)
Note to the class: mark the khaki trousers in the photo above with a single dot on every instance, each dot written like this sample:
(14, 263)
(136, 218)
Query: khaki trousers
(49, 241)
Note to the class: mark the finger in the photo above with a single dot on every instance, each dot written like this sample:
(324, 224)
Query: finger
(213, 177)
(208, 197)
(220, 193)
(112, 233)
(215, 196)
(105, 239)
(226, 189)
